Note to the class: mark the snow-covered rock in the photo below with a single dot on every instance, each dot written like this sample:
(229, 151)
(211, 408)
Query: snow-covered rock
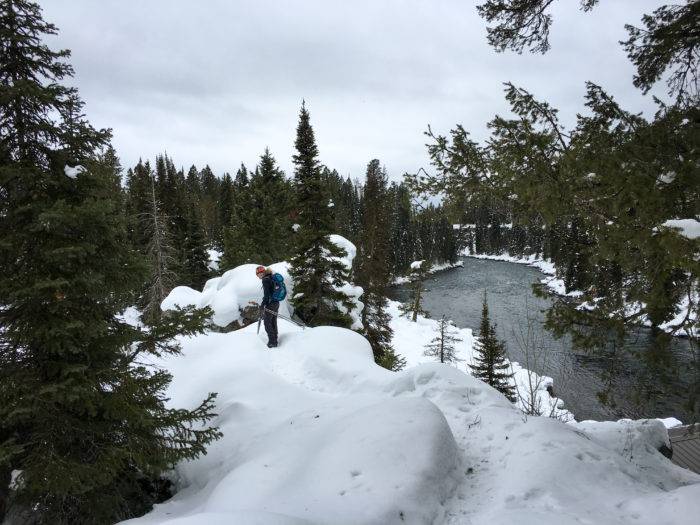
(230, 293)
(416, 265)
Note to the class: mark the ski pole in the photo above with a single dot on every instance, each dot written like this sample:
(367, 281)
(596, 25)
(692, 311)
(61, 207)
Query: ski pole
(286, 318)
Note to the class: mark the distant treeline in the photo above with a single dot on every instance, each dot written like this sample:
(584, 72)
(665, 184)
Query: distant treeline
(250, 217)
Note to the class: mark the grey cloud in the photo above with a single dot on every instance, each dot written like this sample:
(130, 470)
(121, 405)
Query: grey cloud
(218, 81)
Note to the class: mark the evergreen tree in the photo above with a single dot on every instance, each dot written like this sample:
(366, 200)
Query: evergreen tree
(490, 362)
(160, 257)
(194, 187)
(344, 195)
(260, 225)
(242, 179)
(208, 206)
(269, 226)
(226, 203)
(414, 307)
(442, 345)
(138, 203)
(237, 244)
(316, 267)
(196, 258)
(402, 234)
(83, 423)
(373, 266)
(668, 41)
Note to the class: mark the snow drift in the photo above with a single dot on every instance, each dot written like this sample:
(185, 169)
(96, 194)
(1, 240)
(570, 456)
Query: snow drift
(315, 432)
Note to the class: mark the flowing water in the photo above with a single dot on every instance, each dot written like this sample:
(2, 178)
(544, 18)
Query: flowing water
(637, 380)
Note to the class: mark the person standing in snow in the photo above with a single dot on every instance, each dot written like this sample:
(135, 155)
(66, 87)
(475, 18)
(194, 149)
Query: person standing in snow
(269, 305)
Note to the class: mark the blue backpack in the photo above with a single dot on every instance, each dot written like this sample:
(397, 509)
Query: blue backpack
(279, 290)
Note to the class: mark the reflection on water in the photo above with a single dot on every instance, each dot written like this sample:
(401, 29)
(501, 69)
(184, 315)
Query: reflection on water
(645, 376)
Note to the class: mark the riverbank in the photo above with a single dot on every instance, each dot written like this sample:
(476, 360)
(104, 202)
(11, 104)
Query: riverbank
(556, 286)
(534, 391)
(635, 380)
(436, 268)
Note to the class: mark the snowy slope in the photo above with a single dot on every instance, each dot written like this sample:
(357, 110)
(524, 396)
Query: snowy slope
(315, 432)
(410, 340)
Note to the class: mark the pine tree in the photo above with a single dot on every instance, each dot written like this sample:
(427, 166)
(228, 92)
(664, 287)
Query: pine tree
(196, 258)
(414, 306)
(490, 362)
(316, 267)
(241, 180)
(269, 226)
(373, 266)
(226, 203)
(442, 345)
(237, 243)
(402, 235)
(208, 207)
(194, 187)
(160, 257)
(138, 203)
(85, 425)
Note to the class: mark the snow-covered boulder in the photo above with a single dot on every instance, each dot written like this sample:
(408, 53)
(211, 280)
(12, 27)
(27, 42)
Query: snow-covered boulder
(631, 438)
(229, 295)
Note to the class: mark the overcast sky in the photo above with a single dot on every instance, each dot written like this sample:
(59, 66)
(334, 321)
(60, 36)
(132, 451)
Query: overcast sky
(217, 81)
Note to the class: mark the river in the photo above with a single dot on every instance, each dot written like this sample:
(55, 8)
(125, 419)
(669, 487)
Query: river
(645, 382)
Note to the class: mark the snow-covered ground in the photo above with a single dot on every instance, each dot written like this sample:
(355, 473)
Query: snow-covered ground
(316, 433)
(410, 340)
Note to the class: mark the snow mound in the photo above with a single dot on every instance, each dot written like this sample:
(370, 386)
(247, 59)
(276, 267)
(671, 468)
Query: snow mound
(229, 294)
(214, 258)
(316, 433)
(309, 435)
(352, 291)
(416, 265)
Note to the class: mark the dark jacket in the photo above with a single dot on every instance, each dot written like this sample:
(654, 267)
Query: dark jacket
(268, 288)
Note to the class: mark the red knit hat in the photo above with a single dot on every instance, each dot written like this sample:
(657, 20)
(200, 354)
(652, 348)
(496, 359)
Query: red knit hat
(259, 269)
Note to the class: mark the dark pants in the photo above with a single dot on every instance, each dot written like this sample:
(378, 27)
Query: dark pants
(270, 320)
